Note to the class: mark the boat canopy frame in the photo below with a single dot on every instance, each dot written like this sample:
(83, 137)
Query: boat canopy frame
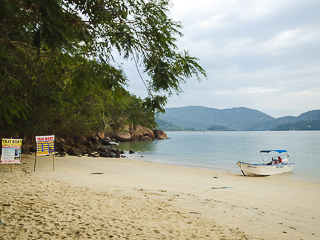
(266, 152)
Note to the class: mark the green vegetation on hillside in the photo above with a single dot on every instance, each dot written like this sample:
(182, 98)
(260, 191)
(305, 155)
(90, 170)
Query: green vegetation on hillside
(167, 126)
(58, 73)
(301, 125)
(218, 128)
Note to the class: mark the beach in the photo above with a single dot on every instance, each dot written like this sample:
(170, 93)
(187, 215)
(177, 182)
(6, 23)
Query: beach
(105, 198)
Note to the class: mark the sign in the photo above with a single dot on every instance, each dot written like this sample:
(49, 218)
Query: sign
(45, 145)
(11, 150)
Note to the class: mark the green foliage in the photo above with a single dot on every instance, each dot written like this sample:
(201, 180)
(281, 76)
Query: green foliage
(58, 70)
(300, 125)
(218, 128)
(168, 126)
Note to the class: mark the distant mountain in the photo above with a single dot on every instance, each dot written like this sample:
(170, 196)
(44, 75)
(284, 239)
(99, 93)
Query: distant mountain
(203, 118)
(168, 126)
(241, 119)
(268, 125)
(300, 125)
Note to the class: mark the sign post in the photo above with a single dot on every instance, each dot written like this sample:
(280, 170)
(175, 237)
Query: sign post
(45, 146)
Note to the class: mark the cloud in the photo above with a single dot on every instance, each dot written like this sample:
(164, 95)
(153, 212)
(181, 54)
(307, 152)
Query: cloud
(235, 27)
(261, 54)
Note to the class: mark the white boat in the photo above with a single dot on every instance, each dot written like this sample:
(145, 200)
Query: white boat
(277, 164)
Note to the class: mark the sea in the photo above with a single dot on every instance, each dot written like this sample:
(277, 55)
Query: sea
(221, 151)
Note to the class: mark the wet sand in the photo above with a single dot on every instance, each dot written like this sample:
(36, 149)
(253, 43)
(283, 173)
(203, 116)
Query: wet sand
(101, 198)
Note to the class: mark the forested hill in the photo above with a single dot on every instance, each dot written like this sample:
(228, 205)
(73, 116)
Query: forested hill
(243, 119)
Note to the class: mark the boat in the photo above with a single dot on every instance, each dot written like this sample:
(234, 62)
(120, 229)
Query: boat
(277, 163)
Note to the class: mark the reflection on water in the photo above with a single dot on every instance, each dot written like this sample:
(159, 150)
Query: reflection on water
(139, 146)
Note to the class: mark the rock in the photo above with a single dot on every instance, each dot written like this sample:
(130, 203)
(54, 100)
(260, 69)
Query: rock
(94, 139)
(60, 146)
(111, 154)
(106, 154)
(101, 149)
(126, 128)
(101, 135)
(116, 151)
(122, 136)
(83, 148)
(89, 144)
(107, 141)
(93, 154)
(80, 140)
(135, 136)
(142, 130)
(159, 134)
(59, 140)
(146, 138)
(150, 135)
(62, 154)
(131, 152)
(70, 141)
(74, 152)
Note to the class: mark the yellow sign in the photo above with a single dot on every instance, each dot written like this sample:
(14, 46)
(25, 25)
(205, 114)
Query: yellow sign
(45, 145)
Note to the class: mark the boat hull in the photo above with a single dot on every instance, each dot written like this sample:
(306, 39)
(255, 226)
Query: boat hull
(249, 169)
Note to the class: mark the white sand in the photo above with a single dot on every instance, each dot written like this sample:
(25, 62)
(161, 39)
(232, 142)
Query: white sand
(140, 200)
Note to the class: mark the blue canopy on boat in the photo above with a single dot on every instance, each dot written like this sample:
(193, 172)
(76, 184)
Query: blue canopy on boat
(267, 151)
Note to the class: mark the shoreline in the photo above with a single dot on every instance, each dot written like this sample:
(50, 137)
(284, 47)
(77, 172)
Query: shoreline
(152, 201)
(219, 151)
(292, 176)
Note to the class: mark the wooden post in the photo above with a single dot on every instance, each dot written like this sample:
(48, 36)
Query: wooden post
(35, 162)
(12, 163)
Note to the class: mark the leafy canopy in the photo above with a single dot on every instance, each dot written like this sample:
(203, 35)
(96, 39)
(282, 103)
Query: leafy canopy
(53, 48)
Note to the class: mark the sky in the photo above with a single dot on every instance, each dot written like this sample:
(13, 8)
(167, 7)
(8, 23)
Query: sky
(259, 54)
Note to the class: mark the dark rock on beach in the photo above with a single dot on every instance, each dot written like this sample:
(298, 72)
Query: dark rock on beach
(72, 151)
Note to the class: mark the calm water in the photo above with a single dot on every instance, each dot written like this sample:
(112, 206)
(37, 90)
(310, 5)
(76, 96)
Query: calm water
(221, 150)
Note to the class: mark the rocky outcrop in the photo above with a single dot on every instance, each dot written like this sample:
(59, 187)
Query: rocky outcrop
(122, 136)
(100, 144)
(141, 134)
(101, 135)
(72, 151)
(150, 135)
(146, 138)
(159, 134)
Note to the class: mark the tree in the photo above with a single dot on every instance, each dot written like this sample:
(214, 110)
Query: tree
(55, 47)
